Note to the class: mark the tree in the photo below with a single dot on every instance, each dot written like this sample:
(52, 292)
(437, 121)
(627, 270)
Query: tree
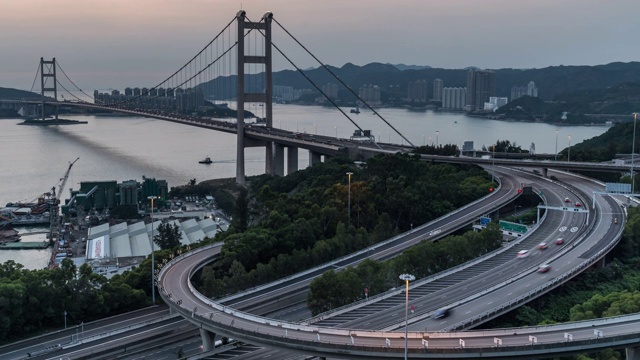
(168, 236)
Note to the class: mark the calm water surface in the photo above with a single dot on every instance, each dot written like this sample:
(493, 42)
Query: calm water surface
(33, 159)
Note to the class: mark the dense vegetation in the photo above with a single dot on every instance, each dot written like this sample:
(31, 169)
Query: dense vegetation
(617, 140)
(336, 289)
(34, 301)
(302, 220)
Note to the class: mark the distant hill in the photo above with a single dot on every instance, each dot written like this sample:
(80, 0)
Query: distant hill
(404, 67)
(551, 81)
(9, 93)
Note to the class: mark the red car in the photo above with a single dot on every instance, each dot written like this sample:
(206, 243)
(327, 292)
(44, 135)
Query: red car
(560, 241)
(578, 204)
(567, 200)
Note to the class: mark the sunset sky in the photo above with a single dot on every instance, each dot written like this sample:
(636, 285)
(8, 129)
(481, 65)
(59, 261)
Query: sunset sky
(106, 44)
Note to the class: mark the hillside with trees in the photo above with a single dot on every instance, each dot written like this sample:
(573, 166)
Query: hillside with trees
(301, 220)
(551, 81)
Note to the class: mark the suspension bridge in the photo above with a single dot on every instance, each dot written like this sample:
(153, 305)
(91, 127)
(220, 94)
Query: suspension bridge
(236, 64)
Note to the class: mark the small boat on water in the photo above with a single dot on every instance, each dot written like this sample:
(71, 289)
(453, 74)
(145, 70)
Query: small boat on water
(206, 160)
(356, 110)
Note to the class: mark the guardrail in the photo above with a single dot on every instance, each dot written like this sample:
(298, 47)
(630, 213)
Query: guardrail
(499, 309)
(358, 253)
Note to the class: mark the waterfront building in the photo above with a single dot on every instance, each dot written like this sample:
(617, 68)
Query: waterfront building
(128, 91)
(136, 91)
(282, 92)
(370, 94)
(330, 90)
(481, 85)
(495, 102)
(437, 89)
(417, 91)
(454, 98)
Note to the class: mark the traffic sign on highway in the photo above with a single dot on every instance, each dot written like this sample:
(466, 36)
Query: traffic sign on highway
(509, 226)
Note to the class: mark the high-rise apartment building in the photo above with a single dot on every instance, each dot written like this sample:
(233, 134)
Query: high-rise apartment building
(454, 98)
(481, 85)
(370, 94)
(330, 90)
(437, 89)
(417, 91)
(520, 91)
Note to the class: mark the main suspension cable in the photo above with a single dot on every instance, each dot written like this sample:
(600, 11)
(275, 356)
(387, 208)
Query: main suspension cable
(35, 78)
(342, 82)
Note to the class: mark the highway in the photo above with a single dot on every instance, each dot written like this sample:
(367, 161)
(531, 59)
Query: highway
(567, 221)
(224, 314)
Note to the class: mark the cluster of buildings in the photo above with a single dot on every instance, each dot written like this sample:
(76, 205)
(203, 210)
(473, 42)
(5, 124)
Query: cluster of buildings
(520, 91)
(288, 93)
(106, 195)
(179, 99)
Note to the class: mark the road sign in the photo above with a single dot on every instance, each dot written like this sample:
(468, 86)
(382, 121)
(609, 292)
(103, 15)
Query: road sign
(484, 221)
(509, 226)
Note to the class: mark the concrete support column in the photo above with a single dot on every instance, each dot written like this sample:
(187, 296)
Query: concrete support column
(278, 160)
(544, 172)
(314, 158)
(208, 340)
(292, 159)
(633, 353)
(268, 159)
(601, 263)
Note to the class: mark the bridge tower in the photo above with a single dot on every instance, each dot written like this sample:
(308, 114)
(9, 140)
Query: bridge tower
(264, 97)
(48, 76)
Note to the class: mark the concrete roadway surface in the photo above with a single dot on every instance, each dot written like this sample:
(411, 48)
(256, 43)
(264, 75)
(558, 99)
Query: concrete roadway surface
(265, 300)
(504, 194)
(556, 196)
(19, 349)
(280, 354)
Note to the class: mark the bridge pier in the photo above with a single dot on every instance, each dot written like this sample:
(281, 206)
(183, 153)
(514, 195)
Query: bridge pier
(208, 340)
(292, 159)
(544, 172)
(314, 158)
(268, 158)
(633, 353)
(278, 160)
(601, 263)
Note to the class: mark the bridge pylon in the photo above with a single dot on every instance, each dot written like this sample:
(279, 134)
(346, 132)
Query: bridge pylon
(263, 97)
(47, 77)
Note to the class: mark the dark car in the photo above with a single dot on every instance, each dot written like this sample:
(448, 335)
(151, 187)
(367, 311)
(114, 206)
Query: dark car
(441, 313)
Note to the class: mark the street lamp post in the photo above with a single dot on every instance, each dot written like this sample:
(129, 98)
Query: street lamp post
(555, 157)
(493, 162)
(569, 151)
(349, 200)
(335, 127)
(153, 260)
(633, 151)
(406, 278)
(437, 133)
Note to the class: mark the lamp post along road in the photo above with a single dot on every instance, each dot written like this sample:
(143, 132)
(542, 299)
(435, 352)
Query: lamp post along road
(406, 278)
(555, 157)
(153, 260)
(569, 151)
(349, 200)
(633, 151)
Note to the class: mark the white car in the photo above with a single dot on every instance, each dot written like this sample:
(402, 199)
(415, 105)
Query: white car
(523, 254)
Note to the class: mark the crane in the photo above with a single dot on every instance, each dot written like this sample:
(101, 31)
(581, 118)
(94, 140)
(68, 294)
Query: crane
(55, 202)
